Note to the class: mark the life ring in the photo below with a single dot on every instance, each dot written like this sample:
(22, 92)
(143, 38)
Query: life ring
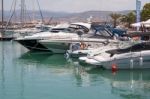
(136, 38)
(82, 45)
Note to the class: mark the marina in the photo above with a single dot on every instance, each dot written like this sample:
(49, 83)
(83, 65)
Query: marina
(115, 50)
(84, 52)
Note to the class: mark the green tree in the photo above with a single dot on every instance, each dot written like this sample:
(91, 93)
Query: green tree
(115, 17)
(145, 14)
(129, 18)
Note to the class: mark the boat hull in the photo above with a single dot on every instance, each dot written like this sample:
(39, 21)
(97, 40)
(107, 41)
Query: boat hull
(56, 47)
(129, 63)
(32, 45)
(76, 54)
(131, 60)
(6, 38)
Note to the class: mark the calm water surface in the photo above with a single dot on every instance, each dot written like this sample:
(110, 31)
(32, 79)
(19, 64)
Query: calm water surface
(28, 75)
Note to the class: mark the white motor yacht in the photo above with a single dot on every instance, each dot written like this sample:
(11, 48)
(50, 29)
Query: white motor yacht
(60, 45)
(31, 42)
(135, 56)
(98, 51)
(82, 49)
(90, 48)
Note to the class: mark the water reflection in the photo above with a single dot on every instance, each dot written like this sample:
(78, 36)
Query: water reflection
(7, 72)
(82, 77)
(126, 84)
(28, 75)
(42, 58)
(45, 62)
(2, 69)
(129, 84)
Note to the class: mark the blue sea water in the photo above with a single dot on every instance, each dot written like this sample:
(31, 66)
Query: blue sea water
(40, 75)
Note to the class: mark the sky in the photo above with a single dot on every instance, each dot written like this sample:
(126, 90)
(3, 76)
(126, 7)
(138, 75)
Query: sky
(78, 5)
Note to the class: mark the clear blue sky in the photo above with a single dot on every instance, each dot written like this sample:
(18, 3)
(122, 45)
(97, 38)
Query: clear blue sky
(78, 5)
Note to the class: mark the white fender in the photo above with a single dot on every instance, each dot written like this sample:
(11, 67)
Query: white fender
(131, 63)
(141, 61)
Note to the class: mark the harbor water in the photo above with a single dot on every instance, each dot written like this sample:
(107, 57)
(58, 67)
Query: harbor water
(40, 75)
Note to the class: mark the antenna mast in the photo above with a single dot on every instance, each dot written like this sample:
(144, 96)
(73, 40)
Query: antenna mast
(2, 18)
(22, 12)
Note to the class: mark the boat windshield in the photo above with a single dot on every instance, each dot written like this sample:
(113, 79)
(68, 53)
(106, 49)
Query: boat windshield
(79, 27)
(56, 30)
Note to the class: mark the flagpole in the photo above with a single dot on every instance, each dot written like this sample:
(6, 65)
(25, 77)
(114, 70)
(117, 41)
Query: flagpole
(138, 12)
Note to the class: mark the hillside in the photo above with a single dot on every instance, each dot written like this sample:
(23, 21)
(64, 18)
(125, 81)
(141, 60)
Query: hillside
(64, 16)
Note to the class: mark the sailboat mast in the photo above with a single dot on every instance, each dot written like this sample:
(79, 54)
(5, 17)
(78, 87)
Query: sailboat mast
(22, 12)
(33, 11)
(40, 11)
(2, 16)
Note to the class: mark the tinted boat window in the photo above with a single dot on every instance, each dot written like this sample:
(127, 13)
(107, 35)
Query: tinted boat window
(56, 30)
(134, 48)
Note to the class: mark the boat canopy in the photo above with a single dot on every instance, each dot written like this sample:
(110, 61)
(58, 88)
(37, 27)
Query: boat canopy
(139, 24)
(147, 22)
